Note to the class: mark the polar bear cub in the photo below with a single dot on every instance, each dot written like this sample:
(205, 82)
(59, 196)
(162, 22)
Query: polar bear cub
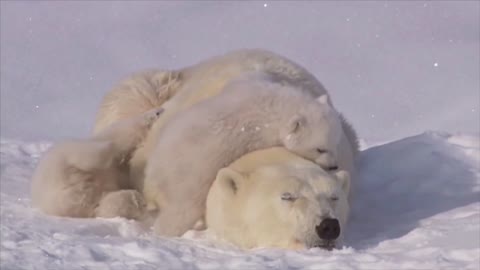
(248, 115)
(178, 90)
(81, 178)
(274, 198)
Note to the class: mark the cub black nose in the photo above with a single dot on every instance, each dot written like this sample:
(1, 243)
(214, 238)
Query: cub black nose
(329, 229)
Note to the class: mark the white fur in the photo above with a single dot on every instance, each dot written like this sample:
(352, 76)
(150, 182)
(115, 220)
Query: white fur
(198, 142)
(74, 177)
(244, 204)
(178, 90)
(123, 203)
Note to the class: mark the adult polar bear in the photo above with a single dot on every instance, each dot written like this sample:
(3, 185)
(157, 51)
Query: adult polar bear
(274, 198)
(178, 90)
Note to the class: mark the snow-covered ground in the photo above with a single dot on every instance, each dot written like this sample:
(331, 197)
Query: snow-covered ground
(416, 206)
(413, 66)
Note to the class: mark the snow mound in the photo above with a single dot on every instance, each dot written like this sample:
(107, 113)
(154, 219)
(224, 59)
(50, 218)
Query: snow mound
(416, 205)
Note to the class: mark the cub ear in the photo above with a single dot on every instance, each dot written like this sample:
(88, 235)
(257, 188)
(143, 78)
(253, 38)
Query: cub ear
(295, 124)
(323, 99)
(229, 180)
(343, 178)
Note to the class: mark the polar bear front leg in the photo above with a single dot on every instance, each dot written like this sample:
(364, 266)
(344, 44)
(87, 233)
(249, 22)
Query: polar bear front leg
(175, 220)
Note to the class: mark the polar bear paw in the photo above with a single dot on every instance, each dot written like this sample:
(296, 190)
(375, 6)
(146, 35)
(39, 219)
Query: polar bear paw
(128, 204)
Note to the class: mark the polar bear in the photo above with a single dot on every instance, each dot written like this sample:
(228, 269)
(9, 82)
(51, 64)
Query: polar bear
(82, 178)
(249, 114)
(178, 90)
(274, 198)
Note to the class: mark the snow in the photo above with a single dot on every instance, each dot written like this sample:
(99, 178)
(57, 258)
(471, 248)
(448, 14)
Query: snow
(416, 206)
(413, 65)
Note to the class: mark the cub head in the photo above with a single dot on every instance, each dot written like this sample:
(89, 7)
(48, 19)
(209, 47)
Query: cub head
(314, 132)
(279, 206)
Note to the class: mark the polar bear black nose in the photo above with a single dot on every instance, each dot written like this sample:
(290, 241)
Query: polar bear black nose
(329, 229)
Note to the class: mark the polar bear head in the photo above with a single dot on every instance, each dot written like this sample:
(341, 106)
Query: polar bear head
(307, 126)
(298, 206)
(314, 132)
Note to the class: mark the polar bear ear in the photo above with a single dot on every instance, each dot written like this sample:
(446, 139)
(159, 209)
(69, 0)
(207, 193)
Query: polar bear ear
(296, 123)
(323, 99)
(343, 178)
(229, 180)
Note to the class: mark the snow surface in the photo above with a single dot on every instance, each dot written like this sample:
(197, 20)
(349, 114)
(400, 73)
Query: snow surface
(416, 206)
(414, 66)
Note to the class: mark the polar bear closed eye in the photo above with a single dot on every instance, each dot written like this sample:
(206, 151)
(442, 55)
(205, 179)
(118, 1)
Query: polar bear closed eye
(286, 205)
